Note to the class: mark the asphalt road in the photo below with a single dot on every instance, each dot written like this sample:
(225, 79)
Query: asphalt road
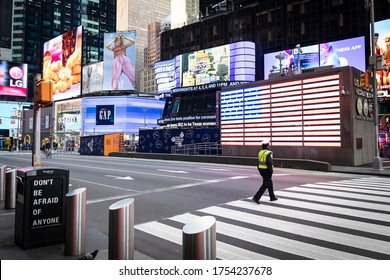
(165, 189)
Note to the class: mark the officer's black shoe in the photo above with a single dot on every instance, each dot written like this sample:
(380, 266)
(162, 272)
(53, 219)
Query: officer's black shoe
(274, 199)
(255, 200)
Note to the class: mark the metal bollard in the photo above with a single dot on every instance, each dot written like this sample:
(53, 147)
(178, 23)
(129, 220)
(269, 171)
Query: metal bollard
(200, 239)
(75, 227)
(121, 230)
(3, 170)
(10, 189)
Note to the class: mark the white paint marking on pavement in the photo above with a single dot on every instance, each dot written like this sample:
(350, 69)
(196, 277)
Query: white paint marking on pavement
(119, 177)
(172, 171)
(104, 185)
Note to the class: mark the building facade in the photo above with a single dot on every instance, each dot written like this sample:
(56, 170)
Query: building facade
(137, 15)
(35, 22)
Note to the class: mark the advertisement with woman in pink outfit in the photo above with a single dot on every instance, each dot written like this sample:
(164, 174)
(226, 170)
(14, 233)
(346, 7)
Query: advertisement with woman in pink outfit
(119, 60)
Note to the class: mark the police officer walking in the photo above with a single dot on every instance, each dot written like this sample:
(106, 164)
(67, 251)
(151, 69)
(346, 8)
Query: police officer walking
(265, 168)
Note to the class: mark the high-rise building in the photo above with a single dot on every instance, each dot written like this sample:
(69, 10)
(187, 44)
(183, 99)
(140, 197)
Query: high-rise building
(184, 12)
(137, 15)
(36, 22)
(151, 55)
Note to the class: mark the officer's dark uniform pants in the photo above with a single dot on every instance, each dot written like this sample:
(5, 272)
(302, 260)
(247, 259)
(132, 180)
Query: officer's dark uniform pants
(267, 184)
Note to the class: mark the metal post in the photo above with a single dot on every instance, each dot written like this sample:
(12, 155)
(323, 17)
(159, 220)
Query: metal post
(3, 170)
(36, 152)
(10, 189)
(200, 239)
(75, 233)
(121, 230)
(377, 161)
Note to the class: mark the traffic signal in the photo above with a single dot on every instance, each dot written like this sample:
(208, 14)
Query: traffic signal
(364, 80)
(44, 92)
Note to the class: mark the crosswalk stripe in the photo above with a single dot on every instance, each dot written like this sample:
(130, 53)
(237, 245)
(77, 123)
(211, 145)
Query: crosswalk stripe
(346, 219)
(174, 235)
(331, 200)
(274, 241)
(343, 188)
(318, 218)
(303, 230)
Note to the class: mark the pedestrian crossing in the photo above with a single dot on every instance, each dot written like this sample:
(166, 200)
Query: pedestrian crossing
(344, 219)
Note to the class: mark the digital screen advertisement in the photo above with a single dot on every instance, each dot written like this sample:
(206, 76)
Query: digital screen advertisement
(126, 112)
(62, 61)
(338, 53)
(119, 61)
(233, 62)
(93, 78)
(382, 47)
(13, 79)
(165, 74)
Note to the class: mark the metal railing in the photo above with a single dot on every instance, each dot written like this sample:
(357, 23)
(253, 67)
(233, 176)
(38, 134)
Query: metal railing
(207, 148)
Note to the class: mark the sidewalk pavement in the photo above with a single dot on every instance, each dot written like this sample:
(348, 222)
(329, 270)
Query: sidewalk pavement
(96, 239)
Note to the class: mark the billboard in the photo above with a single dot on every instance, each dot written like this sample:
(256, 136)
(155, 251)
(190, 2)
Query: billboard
(102, 115)
(119, 61)
(165, 74)
(13, 79)
(382, 47)
(337, 53)
(93, 78)
(62, 63)
(232, 62)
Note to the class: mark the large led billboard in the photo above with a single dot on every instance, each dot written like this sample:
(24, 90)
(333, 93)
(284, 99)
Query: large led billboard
(62, 63)
(13, 79)
(165, 74)
(102, 115)
(119, 61)
(233, 62)
(338, 53)
(382, 47)
(92, 78)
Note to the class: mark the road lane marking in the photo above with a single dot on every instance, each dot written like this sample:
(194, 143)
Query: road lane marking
(104, 185)
(120, 178)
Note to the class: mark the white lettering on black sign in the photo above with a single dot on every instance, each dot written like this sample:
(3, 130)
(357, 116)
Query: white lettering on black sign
(46, 202)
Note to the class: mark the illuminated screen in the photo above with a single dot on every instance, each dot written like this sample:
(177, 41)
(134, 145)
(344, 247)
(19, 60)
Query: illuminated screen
(13, 79)
(119, 61)
(62, 63)
(93, 78)
(337, 53)
(383, 48)
(127, 113)
(165, 73)
(233, 62)
(298, 113)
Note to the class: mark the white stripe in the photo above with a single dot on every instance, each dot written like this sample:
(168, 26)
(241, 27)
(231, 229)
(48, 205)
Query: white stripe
(304, 230)
(333, 200)
(333, 209)
(273, 241)
(319, 218)
(174, 235)
(350, 190)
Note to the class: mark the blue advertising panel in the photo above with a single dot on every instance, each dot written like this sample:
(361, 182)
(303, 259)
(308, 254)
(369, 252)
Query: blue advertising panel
(127, 113)
(119, 61)
(162, 140)
(105, 114)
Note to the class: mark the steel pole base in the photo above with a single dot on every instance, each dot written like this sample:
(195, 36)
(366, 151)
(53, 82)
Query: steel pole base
(377, 164)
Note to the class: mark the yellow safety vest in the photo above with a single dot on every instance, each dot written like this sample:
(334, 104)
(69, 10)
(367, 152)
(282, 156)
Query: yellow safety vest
(263, 158)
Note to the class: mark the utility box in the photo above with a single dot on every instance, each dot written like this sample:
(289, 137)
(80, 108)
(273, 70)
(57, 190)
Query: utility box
(40, 206)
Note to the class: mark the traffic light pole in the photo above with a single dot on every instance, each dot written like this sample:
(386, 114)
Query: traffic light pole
(36, 151)
(377, 162)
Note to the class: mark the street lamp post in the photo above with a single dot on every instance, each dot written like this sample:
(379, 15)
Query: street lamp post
(377, 162)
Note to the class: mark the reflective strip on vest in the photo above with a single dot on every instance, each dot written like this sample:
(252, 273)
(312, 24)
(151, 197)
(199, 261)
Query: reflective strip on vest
(263, 158)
